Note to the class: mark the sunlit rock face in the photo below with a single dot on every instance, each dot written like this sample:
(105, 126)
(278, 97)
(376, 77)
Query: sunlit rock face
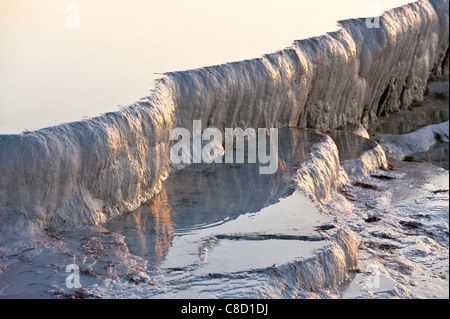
(89, 171)
(349, 76)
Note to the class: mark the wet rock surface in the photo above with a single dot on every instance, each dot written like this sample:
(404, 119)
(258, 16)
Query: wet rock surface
(211, 226)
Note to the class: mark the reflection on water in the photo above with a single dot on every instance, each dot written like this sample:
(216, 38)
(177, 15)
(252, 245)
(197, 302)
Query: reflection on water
(349, 144)
(163, 225)
(202, 196)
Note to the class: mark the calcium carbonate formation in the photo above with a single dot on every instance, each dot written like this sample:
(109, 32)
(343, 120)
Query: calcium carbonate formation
(86, 172)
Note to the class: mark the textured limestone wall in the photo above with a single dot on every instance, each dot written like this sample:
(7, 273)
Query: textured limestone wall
(88, 171)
